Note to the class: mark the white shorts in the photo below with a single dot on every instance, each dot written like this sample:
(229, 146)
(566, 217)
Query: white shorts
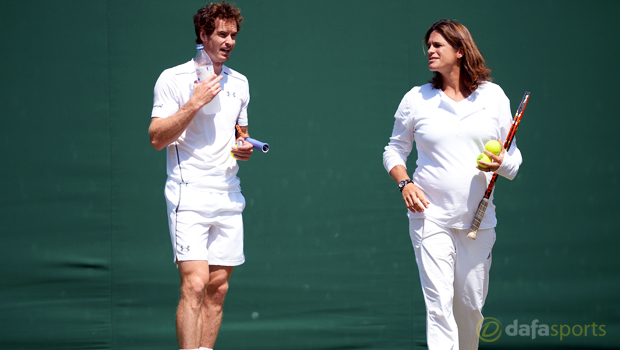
(205, 224)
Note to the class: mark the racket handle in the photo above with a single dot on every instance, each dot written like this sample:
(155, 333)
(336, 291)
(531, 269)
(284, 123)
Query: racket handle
(263, 146)
(482, 207)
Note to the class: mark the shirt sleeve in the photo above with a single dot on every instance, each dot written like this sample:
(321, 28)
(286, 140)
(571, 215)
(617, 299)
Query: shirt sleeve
(512, 158)
(401, 142)
(165, 100)
(242, 119)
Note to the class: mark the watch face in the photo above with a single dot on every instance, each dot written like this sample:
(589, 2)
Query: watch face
(402, 184)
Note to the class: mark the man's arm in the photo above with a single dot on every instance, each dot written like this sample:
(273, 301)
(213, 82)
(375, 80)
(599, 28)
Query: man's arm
(164, 131)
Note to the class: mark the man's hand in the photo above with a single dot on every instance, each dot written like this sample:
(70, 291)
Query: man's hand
(164, 131)
(242, 152)
(206, 90)
(414, 198)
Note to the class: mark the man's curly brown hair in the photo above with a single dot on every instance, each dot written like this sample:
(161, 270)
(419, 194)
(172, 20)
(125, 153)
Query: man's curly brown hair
(204, 19)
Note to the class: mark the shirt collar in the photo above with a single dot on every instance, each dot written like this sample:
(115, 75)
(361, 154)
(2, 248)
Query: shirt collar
(190, 68)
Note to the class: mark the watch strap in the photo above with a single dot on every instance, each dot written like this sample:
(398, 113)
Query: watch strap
(404, 183)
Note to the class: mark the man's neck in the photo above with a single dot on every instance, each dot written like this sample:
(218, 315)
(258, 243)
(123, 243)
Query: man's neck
(217, 68)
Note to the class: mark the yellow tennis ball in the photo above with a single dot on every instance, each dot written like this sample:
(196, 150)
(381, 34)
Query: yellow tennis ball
(483, 157)
(238, 144)
(493, 146)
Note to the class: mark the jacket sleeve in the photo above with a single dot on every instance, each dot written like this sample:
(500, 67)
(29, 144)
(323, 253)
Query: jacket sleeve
(512, 158)
(401, 142)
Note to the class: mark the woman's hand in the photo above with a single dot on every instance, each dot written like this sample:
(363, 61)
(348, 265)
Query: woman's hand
(497, 160)
(414, 198)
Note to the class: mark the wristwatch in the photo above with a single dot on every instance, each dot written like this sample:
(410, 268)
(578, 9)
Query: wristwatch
(404, 183)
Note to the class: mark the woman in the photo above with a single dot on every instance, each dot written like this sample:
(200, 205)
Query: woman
(450, 119)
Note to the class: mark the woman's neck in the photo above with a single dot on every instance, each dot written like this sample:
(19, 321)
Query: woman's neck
(453, 87)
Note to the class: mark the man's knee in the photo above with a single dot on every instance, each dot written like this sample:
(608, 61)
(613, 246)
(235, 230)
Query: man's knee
(194, 285)
(218, 287)
(218, 284)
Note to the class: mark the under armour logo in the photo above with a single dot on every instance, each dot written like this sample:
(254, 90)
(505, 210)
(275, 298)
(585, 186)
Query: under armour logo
(183, 249)
(488, 257)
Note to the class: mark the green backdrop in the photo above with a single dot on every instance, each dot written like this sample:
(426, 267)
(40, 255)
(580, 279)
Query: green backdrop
(87, 262)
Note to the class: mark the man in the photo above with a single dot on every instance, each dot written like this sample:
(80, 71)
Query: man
(203, 193)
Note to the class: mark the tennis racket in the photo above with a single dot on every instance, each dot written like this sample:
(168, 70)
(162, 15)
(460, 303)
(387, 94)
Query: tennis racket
(482, 207)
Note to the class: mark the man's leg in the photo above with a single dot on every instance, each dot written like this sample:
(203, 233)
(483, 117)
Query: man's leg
(213, 303)
(194, 280)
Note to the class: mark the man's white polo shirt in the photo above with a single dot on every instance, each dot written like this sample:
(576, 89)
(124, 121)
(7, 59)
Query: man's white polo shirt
(201, 155)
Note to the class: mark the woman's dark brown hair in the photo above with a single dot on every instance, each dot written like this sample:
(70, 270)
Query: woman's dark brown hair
(473, 69)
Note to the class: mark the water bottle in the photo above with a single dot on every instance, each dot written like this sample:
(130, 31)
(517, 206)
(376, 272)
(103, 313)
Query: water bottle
(204, 68)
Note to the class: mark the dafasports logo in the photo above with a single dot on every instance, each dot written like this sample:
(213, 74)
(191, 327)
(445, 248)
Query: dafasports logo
(491, 329)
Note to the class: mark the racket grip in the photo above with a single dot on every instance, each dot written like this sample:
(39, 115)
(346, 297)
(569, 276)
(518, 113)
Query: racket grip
(482, 207)
(263, 146)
